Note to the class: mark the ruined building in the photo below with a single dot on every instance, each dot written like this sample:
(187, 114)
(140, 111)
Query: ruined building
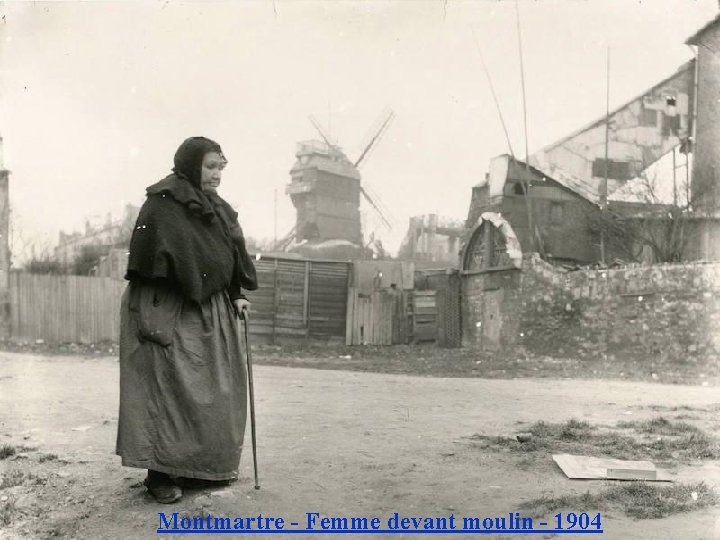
(432, 238)
(553, 203)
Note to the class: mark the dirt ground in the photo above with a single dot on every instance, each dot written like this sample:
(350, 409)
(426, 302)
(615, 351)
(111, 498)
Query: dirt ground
(342, 443)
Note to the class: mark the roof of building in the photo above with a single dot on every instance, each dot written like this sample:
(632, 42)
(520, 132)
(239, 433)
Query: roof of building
(601, 121)
(578, 185)
(695, 38)
(564, 181)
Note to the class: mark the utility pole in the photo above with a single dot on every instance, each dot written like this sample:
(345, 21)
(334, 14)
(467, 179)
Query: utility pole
(275, 240)
(604, 185)
(526, 181)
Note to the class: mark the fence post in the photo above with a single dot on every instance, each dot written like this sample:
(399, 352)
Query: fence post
(276, 300)
(5, 321)
(306, 294)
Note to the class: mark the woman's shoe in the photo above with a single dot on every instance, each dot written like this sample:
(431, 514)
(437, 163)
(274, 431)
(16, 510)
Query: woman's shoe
(197, 483)
(162, 488)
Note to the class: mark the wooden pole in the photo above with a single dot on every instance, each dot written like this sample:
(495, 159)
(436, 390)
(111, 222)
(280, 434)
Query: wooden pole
(492, 91)
(604, 185)
(687, 178)
(526, 181)
(675, 192)
(275, 239)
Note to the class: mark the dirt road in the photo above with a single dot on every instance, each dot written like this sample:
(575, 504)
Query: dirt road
(339, 443)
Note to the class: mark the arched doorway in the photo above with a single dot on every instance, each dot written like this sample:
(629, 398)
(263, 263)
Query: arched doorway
(492, 244)
(490, 260)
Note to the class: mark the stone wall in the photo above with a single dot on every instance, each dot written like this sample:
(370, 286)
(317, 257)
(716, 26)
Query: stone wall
(671, 312)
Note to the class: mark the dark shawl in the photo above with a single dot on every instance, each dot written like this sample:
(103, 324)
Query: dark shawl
(190, 239)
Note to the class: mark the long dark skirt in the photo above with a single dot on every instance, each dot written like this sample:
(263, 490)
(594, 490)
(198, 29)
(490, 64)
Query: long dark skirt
(183, 384)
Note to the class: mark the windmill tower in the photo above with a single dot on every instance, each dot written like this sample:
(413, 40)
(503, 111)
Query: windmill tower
(325, 189)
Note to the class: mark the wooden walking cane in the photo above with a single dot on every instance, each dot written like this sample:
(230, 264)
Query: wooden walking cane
(248, 354)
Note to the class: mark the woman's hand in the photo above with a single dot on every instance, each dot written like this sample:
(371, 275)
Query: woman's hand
(242, 305)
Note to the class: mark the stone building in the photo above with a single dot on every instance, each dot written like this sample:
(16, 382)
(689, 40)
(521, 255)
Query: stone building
(552, 206)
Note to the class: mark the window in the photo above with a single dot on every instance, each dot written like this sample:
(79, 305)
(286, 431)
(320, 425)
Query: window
(518, 188)
(670, 125)
(616, 170)
(556, 213)
(649, 117)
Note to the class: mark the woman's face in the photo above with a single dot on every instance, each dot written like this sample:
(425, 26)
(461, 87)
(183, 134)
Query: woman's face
(211, 171)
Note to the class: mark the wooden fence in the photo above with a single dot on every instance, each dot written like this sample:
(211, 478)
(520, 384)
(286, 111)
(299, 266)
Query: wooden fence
(296, 300)
(424, 316)
(446, 284)
(299, 299)
(377, 318)
(64, 308)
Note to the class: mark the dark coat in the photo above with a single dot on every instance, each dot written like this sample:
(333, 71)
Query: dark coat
(191, 241)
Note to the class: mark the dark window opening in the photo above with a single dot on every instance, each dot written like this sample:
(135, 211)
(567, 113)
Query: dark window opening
(616, 170)
(518, 189)
(556, 213)
(671, 125)
(649, 117)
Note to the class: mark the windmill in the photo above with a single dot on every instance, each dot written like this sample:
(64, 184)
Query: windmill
(326, 192)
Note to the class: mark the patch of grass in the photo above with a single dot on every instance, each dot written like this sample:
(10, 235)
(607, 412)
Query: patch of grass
(17, 478)
(681, 439)
(7, 511)
(47, 457)
(661, 426)
(572, 430)
(687, 417)
(579, 437)
(643, 500)
(693, 446)
(676, 408)
(7, 450)
(527, 463)
(12, 479)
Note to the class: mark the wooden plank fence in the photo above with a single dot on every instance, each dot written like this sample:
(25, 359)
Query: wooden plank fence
(299, 299)
(296, 299)
(446, 284)
(424, 316)
(65, 308)
(377, 318)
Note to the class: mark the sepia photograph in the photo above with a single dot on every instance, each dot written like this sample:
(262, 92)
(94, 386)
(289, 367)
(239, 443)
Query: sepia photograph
(360, 268)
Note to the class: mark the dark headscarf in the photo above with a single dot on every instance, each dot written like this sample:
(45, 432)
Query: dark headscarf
(189, 157)
(188, 238)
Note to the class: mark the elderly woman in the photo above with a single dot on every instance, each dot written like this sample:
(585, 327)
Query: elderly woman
(182, 379)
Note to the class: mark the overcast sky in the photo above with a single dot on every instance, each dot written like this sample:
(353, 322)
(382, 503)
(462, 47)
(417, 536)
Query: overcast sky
(96, 97)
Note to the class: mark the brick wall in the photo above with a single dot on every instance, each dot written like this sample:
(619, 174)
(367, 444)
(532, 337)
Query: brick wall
(671, 312)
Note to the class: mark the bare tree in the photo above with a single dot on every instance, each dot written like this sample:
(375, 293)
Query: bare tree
(31, 252)
(648, 222)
